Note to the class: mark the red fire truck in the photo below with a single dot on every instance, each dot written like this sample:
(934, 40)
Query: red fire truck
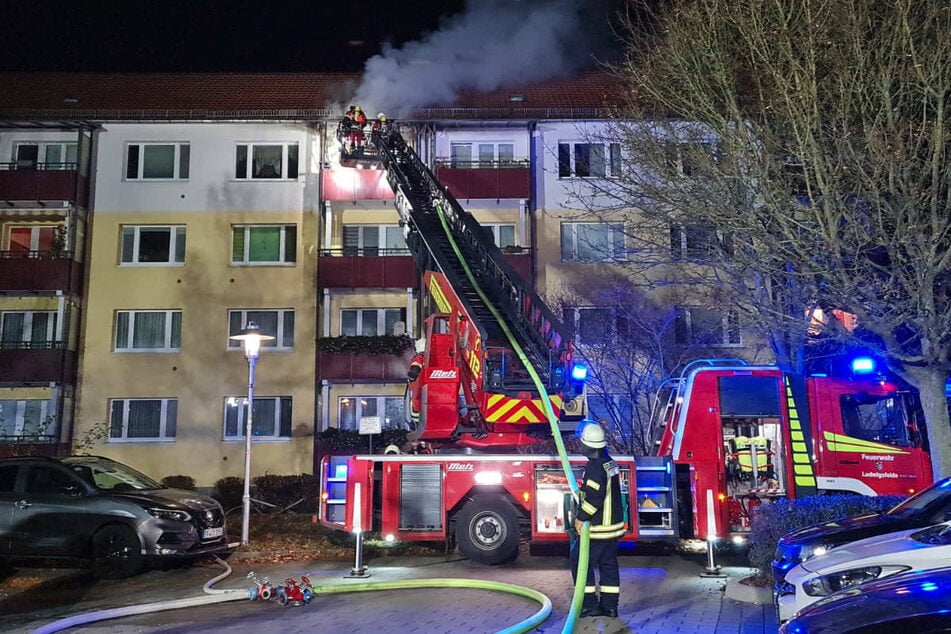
(739, 435)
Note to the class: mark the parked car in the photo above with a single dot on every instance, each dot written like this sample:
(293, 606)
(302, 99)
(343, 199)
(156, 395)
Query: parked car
(910, 602)
(866, 560)
(925, 508)
(92, 510)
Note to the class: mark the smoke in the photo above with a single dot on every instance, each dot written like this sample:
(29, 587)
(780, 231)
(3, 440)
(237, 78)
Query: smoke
(493, 43)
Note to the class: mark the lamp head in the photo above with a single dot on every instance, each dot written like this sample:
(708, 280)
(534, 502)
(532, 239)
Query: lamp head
(252, 337)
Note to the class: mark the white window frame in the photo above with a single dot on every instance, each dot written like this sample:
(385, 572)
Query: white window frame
(127, 346)
(280, 337)
(168, 421)
(381, 241)
(26, 332)
(43, 148)
(249, 161)
(19, 422)
(476, 156)
(360, 401)
(35, 234)
(496, 228)
(239, 405)
(363, 314)
(286, 241)
(174, 233)
(690, 247)
(181, 165)
(726, 317)
(616, 239)
(577, 316)
(612, 159)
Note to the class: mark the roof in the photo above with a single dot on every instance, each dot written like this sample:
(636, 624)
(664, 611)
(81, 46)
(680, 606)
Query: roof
(189, 96)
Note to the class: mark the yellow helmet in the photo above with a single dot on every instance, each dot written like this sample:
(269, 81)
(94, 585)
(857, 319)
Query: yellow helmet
(381, 117)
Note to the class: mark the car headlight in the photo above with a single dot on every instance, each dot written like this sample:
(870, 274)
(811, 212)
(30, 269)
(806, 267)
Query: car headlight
(169, 514)
(827, 584)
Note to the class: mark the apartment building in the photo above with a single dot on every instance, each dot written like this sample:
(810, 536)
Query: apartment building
(198, 203)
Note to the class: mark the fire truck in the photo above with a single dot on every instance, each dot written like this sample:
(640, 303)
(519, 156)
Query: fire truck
(498, 375)
(739, 435)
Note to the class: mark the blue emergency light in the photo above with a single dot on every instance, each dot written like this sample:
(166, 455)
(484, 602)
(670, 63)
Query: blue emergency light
(863, 365)
(579, 372)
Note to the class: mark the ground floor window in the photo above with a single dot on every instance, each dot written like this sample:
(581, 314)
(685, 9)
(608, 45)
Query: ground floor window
(143, 418)
(390, 409)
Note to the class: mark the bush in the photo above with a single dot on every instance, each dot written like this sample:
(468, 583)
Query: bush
(179, 482)
(772, 521)
(340, 440)
(285, 491)
(229, 491)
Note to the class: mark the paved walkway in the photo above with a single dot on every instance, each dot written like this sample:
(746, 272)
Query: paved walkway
(659, 595)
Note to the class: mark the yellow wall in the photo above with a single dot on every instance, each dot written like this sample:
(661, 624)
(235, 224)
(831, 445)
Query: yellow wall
(205, 371)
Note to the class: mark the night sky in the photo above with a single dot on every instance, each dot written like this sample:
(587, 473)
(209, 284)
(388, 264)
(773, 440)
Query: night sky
(208, 35)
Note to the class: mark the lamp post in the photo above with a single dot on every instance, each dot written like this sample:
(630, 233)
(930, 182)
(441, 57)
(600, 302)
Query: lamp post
(252, 338)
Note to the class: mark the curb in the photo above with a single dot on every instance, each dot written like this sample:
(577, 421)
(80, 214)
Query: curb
(746, 593)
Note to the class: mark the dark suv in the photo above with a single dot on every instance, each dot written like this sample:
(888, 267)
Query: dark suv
(89, 509)
(928, 506)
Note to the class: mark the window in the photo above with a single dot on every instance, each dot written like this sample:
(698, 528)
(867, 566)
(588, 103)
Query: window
(277, 323)
(55, 155)
(143, 419)
(688, 159)
(153, 245)
(35, 238)
(264, 244)
(490, 154)
(272, 417)
(587, 160)
(704, 327)
(372, 321)
(592, 242)
(502, 235)
(875, 418)
(265, 161)
(27, 329)
(370, 240)
(391, 410)
(692, 242)
(157, 161)
(27, 418)
(594, 324)
(149, 330)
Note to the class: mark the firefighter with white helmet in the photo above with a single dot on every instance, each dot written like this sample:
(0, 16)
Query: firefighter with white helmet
(601, 505)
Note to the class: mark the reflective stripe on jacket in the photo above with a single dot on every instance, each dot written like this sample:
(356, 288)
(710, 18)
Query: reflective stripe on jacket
(601, 502)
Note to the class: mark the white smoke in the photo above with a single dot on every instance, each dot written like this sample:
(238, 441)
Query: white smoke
(493, 43)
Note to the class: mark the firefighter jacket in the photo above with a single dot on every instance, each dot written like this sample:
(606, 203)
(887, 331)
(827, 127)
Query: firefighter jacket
(415, 367)
(601, 502)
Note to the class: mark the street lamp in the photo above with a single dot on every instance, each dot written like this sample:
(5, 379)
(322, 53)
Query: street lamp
(252, 338)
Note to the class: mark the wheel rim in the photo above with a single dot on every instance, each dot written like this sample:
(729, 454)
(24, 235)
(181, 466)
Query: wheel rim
(488, 531)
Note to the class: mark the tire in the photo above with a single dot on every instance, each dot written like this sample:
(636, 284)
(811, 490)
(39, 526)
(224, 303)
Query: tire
(487, 530)
(117, 553)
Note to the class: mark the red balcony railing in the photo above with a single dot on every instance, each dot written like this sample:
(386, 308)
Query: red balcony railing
(485, 180)
(360, 367)
(27, 185)
(345, 268)
(47, 365)
(39, 271)
(355, 184)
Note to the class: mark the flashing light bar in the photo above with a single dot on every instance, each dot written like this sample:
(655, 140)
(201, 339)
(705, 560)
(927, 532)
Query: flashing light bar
(863, 365)
(579, 372)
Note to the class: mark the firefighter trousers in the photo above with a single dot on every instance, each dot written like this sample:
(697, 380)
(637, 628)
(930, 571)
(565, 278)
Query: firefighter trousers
(602, 554)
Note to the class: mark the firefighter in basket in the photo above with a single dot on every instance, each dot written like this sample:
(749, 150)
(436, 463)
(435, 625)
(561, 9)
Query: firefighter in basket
(600, 504)
(413, 386)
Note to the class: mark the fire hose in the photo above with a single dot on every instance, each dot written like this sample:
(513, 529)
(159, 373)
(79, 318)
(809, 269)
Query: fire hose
(213, 596)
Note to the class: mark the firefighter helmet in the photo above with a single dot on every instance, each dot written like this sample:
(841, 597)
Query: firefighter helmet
(381, 117)
(591, 434)
(391, 449)
(420, 346)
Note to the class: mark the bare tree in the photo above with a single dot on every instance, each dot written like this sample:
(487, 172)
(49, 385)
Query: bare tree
(807, 140)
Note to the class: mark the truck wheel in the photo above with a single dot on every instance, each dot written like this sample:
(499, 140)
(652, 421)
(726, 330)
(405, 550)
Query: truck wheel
(487, 530)
(116, 552)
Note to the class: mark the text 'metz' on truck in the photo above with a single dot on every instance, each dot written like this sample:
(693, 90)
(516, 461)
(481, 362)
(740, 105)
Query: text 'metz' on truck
(739, 435)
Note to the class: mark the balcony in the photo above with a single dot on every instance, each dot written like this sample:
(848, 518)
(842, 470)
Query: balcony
(358, 367)
(39, 271)
(343, 184)
(484, 179)
(44, 362)
(41, 183)
(378, 268)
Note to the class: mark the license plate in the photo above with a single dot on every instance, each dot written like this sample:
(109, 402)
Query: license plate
(208, 533)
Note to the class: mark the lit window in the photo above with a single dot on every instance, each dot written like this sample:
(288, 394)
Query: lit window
(264, 244)
(369, 322)
(276, 323)
(391, 410)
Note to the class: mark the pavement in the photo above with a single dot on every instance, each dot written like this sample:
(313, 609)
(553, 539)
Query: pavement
(660, 594)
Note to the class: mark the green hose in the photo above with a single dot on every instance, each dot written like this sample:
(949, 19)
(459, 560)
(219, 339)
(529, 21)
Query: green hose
(584, 535)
